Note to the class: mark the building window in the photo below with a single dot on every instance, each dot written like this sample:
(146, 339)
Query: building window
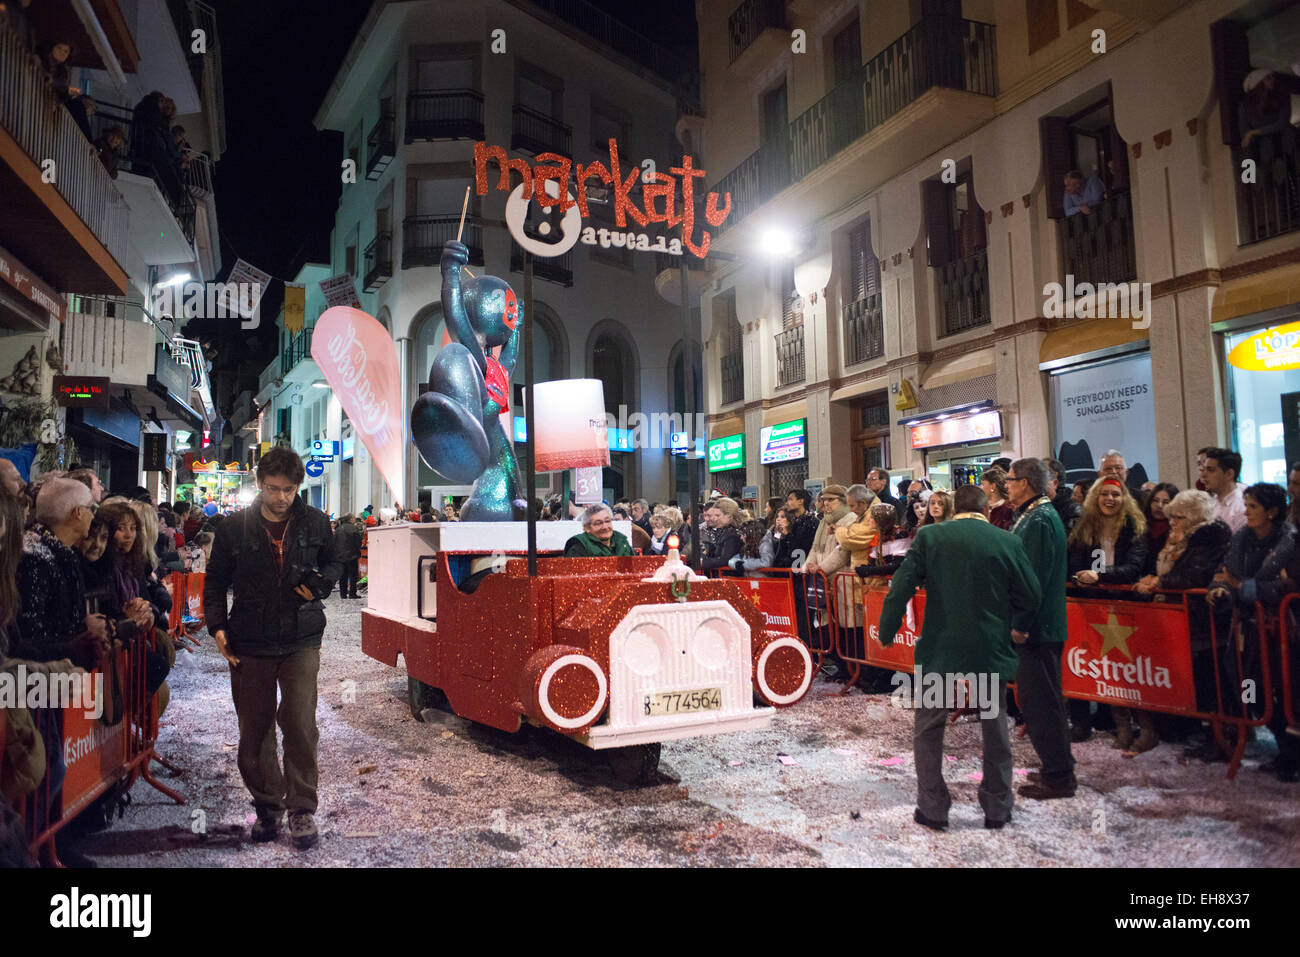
(846, 52)
(786, 477)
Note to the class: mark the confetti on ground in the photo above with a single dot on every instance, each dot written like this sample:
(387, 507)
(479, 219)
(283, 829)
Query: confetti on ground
(1022, 771)
(449, 734)
(843, 751)
(368, 769)
(735, 764)
(250, 818)
(975, 776)
(890, 762)
(786, 759)
(949, 757)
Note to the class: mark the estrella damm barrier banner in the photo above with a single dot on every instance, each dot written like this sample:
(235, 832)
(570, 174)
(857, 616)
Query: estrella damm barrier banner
(94, 752)
(1131, 654)
(774, 598)
(901, 655)
(194, 593)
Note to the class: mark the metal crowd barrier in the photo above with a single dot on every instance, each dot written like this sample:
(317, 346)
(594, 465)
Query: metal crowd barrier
(95, 756)
(812, 614)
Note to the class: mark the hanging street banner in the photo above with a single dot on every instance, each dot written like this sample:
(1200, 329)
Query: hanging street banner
(295, 307)
(245, 287)
(340, 291)
(358, 358)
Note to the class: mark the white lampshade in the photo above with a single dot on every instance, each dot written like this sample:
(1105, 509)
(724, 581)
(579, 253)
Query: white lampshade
(569, 416)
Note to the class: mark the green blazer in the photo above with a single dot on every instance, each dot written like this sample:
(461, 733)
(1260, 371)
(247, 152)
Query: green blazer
(976, 578)
(584, 545)
(1041, 533)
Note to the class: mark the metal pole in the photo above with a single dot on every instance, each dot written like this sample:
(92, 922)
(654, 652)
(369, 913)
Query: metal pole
(690, 355)
(530, 464)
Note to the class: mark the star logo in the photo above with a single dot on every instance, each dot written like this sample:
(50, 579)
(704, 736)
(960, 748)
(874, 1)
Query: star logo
(1114, 635)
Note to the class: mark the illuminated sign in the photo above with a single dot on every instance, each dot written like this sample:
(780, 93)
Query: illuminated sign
(964, 428)
(325, 449)
(783, 443)
(727, 453)
(620, 440)
(1273, 350)
(678, 442)
(81, 391)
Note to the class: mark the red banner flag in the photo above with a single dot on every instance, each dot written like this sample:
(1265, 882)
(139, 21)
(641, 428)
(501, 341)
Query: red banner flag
(358, 358)
(1130, 654)
(901, 655)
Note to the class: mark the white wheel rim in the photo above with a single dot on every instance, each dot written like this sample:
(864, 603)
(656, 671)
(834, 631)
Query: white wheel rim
(544, 689)
(784, 642)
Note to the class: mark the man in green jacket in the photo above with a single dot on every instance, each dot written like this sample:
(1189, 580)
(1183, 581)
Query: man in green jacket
(1040, 634)
(598, 537)
(976, 577)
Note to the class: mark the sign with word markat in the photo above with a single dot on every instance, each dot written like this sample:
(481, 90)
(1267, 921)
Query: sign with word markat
(727, 453)
(783, 443)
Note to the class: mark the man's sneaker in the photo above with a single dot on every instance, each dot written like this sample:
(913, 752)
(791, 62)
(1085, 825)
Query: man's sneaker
(267, 825)
(303, 830)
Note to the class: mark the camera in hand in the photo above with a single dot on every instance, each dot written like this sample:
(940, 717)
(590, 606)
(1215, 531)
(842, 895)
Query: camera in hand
(295, 575)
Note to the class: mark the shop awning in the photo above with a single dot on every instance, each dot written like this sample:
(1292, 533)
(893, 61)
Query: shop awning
(1092, 335)
(972, 365)
(1258, 293)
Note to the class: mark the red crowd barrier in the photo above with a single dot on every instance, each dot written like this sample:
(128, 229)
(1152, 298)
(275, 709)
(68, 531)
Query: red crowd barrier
(1288, 666)
(96, 755)
(795, 602)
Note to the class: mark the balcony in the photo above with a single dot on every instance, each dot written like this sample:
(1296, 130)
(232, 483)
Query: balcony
(1270, 206)
(864, 330)
(733, 378)
(964, 294)
(381, 146)
(939, 52)
(75, 235)
(536, 133)
(556, 269)
(444, 115)
(617, 36)
(789, 357)
(751, 21)
(424, 236)
(379, 261)
(1098, 246)
(296, 350)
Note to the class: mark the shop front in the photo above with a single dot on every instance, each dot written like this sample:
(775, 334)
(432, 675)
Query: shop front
(724, 457)
(783, 448)
(956, 443)
(1263, 380)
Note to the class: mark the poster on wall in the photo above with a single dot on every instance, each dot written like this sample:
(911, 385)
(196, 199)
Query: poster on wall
(1107, 405)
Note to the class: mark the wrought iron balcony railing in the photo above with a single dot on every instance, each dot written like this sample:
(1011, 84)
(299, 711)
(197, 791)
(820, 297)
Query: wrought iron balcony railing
(789, 356)
(1269, 206)
(424, 236)
(733, 378)
(938, 52)
(864, 330)
(964, 294)
(444, 115)
(381, 146)
(379, 261)
(1098, 246)
(748, 21)
(539, 133)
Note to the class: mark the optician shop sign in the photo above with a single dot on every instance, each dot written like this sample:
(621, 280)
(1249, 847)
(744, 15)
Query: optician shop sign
(965, 428)
(727, 453)
(783, 443)
(1273, 350)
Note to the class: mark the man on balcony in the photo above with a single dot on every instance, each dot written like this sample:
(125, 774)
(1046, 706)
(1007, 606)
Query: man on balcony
(1081, 196)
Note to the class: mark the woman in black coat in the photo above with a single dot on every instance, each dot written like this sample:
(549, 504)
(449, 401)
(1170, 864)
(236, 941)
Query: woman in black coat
(1108, 544)
(726, 541)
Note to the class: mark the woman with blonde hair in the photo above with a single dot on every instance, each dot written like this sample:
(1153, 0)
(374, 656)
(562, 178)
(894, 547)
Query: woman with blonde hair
(938, 508)
(726, 542)
(1108, 543)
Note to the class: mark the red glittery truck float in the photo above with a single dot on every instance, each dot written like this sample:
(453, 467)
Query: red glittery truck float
(593, 648)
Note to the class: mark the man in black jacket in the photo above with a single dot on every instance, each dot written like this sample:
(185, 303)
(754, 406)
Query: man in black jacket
(803, 524)
(347, 549)
(878, 482)
(278, 554)
(1058, 490)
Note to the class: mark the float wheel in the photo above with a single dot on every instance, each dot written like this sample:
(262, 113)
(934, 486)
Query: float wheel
(423, 696)
(636, 764)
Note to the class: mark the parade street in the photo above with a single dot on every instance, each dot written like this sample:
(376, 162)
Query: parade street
(397, 792)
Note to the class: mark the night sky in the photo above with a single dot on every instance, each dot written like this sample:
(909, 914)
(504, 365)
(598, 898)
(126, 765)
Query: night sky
(278, 182)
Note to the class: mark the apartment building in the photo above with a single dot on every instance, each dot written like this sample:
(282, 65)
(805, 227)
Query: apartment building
(93, 242)
(939, 305)
(423, 83)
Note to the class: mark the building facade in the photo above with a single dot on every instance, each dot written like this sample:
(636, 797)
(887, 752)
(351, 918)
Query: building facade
(425, 82)
(946, 303)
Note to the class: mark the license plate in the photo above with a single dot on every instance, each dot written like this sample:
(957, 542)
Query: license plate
(683, 702)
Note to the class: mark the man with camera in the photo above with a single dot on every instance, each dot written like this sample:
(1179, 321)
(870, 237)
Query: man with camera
(278, 555)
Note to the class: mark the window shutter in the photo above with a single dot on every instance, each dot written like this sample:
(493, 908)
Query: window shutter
(1231, 55)
(1055, 136)
(1119, 153)
(936, 201)
(865, 268)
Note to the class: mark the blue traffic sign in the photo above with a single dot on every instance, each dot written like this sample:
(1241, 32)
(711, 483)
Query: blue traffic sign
(315, 469)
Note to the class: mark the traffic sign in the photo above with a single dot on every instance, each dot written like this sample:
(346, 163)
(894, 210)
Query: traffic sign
(315, 469)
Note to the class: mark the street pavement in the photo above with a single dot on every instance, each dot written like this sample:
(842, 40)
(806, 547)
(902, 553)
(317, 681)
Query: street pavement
(829, 783)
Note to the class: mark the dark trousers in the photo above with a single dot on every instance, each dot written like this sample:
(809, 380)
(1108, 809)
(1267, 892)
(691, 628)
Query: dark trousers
(253, 685)
(349, 575)
(1038, 685)
(932, 796)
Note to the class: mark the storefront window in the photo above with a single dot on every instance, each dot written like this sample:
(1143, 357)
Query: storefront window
(1258, 399)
